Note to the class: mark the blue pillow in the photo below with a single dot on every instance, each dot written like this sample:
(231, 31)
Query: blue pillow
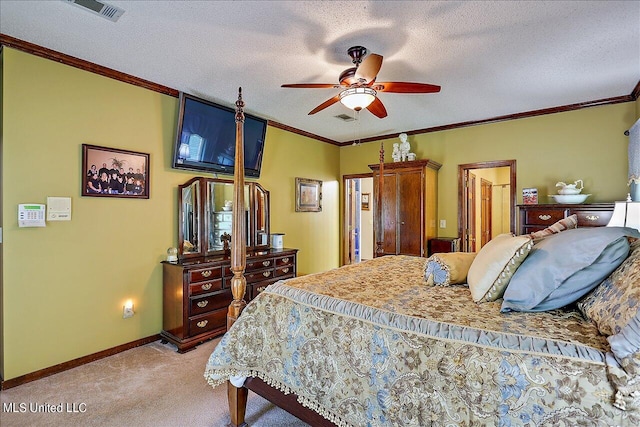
(566, 266)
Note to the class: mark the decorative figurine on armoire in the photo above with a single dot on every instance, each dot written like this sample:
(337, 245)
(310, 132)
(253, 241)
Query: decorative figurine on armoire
(396, 152)
(404, 146)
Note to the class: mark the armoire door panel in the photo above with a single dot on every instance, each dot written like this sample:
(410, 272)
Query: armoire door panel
(410, 202)
(389, 214)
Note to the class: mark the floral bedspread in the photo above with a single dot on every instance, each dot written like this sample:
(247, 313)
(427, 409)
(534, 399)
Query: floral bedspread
(371, 345)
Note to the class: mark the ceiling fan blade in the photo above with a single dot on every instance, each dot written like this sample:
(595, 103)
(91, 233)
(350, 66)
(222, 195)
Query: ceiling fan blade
(368, 69)
(405, 87)
(325, 104)
(312, 85)
(377, 109)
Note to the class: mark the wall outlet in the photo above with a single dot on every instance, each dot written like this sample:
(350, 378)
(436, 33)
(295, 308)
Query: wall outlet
(443, 223)
(127, 312)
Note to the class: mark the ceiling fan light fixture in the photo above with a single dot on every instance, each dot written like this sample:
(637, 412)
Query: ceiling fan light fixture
(357, 98)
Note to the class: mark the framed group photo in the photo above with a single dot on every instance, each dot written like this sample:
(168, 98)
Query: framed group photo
(308, 195)
(111, 172)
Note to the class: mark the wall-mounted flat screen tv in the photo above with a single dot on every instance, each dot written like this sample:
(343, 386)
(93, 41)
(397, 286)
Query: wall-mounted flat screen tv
(206, 138)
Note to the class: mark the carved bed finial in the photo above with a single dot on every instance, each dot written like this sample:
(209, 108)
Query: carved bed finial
(240, 107)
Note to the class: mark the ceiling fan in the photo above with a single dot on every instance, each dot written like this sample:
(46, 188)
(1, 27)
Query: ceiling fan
(359, 86)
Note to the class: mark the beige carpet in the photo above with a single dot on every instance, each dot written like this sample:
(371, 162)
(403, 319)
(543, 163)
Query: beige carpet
(151, 385)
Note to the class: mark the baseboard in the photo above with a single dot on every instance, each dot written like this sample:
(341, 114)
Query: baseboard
(42, 373)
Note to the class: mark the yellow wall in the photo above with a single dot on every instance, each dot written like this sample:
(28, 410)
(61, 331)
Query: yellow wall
(315, 234)
(586, 144)
(64, 285)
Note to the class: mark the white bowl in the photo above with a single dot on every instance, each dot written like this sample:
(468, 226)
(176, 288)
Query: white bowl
(569, 199)
(569, 191)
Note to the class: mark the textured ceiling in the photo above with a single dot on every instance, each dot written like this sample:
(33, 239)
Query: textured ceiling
(491, 58)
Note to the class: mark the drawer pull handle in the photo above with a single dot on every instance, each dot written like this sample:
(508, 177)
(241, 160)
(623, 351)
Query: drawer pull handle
(202, 323)
(261, 288)
(592, 217)
(544, 217)
(285, 270)
(266, 263)
(203, 304)
(206, 286)
(206, 273)
(266, 274)
(285, 260)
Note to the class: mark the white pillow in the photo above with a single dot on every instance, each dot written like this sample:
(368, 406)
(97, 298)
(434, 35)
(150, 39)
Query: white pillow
(494, 265)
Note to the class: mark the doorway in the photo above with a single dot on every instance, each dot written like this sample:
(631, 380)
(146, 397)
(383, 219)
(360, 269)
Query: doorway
(494, 199)
(357, 234)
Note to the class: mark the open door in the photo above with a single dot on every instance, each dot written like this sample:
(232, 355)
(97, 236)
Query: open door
(357, 231)
(486, 203)
(469, 231)
(467, 201)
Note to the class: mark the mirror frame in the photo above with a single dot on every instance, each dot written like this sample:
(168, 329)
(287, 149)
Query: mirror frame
(204, 225)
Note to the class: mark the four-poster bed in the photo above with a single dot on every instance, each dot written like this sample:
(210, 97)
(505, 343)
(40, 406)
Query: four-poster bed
(372, 344)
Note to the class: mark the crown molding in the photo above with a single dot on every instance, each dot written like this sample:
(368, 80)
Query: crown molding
(53, 55)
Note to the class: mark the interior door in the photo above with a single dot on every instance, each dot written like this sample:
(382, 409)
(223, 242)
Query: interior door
(470, 192)
(464, 220)
(486, 203)
(410, 206)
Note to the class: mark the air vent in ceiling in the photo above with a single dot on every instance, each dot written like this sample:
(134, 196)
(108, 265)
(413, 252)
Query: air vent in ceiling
(107, 11)
(345, 117)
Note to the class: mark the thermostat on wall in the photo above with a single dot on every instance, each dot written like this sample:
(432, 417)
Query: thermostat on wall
(58, 208)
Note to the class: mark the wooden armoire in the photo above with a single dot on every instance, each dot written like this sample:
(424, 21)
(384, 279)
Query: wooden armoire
(409, 210)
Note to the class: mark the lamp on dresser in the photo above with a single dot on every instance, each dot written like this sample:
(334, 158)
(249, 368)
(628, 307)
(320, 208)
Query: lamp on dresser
(626, 214)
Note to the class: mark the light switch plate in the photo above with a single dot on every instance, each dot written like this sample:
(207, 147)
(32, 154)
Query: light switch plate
(443, 223)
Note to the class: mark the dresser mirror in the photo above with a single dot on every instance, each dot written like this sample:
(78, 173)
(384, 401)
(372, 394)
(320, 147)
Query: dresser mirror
(189, 219)
(206, 217)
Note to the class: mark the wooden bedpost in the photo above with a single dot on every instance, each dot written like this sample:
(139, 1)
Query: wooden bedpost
(380, 228)
(238, 396)
(238, 227)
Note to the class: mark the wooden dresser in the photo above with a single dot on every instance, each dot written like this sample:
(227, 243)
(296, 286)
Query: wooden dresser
(409, 200)
(196, 292)
(537, 217)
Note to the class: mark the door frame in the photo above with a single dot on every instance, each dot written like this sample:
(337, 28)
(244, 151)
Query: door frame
(348, 201)
(462, 206)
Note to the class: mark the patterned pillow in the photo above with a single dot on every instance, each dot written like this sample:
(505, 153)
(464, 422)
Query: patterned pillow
(617, 300)
(564, 224)
(444, 269)
(494, 265)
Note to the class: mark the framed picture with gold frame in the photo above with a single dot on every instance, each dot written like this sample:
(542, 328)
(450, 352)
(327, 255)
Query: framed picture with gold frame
(308, 195)
(364, 201)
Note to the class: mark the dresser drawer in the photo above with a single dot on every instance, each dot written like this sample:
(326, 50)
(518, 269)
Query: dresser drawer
(544, 217)
(208, 322)
(252, 266)
(286, 260)
(205, 274)
(283, 271)
(204, 287)
(257, 276)
(593, 218)
(257, 265)
(257, 288)
(209, 302)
